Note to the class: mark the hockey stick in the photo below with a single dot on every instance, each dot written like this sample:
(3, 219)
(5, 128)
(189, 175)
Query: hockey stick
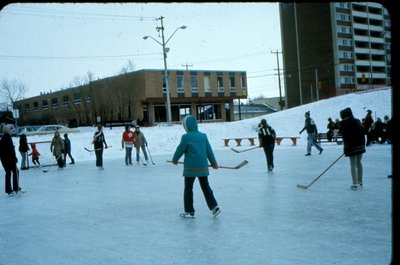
(141, 160)
(92, 150)
(48, 169)
(150, 155)
(307, 186)
(236, 167)
(237, 151)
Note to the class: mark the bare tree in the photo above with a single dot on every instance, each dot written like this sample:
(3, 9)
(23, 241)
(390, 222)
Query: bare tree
(11, 91)
(86, 98)
(128, 67)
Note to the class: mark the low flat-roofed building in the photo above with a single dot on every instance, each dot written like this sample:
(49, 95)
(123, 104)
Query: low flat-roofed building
(139, 95)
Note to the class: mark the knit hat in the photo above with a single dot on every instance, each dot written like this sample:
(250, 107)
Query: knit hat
(263, 122)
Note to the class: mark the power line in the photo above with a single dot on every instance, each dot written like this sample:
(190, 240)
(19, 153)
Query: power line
(71, 14)
(74, 57)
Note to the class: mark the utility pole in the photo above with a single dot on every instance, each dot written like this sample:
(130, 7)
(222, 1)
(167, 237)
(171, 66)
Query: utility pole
(187, 66)
(279, 79)
(163, 44)
(298, 54)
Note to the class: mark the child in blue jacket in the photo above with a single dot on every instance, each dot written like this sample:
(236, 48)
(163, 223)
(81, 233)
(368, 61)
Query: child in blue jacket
(197, 150)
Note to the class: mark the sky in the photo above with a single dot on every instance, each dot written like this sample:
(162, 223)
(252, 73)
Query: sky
(46, 46)
(130, 214)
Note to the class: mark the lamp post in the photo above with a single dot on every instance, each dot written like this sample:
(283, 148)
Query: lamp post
(165, 50)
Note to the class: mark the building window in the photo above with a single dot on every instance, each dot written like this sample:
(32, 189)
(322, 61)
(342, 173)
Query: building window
(207, 86)
(243, 81)
(343, 17)
(220, 84)
(342, 29)
(27, 107)
(77, 99)
(45, 104)
(346, 67)
(344, 42)
(54, 103)
(180, 84)
(35, 106)
(345, 55)
(233, 84)
(347, 80)
(164, 83)
(193, 84)
(343, 5)
(65, 100)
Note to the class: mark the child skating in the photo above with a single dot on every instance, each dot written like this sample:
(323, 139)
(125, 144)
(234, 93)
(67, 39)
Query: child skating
(197, 152)
(35, 155)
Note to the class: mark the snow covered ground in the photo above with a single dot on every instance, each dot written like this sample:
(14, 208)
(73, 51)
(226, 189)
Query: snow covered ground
(130, 214)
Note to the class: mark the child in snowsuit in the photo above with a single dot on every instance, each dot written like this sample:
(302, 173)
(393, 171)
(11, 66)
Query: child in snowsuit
(35, 155)
(197, 150)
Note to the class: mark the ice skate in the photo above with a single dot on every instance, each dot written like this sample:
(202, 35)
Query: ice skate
(186, 215)
(215, 211)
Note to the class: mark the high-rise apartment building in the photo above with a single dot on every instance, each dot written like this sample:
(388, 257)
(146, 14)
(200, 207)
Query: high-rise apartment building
(332, 48)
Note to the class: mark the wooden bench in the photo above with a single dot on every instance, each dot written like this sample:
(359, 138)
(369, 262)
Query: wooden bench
(278, 140)
(239, 140)
(323, 138)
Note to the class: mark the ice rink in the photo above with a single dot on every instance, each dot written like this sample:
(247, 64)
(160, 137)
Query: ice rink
(130, 214)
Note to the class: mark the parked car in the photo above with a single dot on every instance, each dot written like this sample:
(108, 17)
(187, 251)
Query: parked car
(28, 128)
(50, 129)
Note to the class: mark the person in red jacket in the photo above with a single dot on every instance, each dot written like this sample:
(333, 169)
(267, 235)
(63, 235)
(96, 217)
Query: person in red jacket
(128, 140)
(35, 155)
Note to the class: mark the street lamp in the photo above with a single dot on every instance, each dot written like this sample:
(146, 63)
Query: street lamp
(165, 50)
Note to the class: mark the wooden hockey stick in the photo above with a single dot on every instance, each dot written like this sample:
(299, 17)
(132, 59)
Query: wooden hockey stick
(92, 150)
(48, 169)
(150, 155)
(236, 167)
(307, 186)
(245, 150)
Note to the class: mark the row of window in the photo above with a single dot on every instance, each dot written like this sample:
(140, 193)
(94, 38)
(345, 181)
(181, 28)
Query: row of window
(180, 85)
(54, 102)
(347, 80)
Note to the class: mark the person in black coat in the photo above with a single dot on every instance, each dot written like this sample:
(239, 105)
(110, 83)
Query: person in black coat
(331, 128)
(9, 161)
(67, 151)
(368, 121)
(23, 149)
(99, 142)
(353, 144)
(266, 137)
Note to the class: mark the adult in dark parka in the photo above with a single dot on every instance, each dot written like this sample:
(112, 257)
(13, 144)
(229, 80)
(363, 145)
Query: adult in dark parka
(353, 144)
(9, 161)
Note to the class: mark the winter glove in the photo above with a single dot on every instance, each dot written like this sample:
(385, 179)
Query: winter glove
(215, 167)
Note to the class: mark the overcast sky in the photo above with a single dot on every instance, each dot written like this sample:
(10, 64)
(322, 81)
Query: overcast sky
(47, 45)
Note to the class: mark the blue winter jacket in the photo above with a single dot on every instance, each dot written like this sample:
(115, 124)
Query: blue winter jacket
(196, 148)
